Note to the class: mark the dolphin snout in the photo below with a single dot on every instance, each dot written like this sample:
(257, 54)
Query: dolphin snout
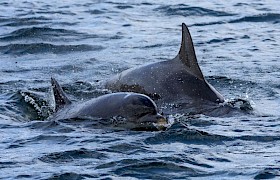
(156, 120)
(161, 122)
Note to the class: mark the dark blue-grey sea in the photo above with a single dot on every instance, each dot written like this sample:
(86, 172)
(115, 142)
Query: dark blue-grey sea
(83, 43)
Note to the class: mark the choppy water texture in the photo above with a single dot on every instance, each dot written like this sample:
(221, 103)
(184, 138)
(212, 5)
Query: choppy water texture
(83, 43)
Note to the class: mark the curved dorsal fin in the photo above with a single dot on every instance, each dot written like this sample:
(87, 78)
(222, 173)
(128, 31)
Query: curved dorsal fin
(59, 96)
(187, 53)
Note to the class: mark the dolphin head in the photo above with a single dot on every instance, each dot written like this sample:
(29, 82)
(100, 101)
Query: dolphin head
(141, 110)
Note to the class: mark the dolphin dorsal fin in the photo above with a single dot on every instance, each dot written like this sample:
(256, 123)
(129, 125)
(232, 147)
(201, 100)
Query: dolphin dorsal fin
(187, 53)
(59, 96)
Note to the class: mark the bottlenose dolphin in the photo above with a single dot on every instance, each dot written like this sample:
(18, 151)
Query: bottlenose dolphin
(128, 110)
(178, 81)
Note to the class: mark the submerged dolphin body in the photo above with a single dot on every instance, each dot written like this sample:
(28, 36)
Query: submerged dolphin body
(132, 110)
(179, 81)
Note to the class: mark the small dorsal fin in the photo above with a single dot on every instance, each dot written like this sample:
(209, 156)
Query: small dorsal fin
(59, 96)
(187, 53)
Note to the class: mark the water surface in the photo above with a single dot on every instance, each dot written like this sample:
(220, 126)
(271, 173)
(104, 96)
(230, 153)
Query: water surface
(83, 43)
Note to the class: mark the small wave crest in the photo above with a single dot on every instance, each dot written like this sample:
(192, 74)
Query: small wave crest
(242, 104)
(31, 105)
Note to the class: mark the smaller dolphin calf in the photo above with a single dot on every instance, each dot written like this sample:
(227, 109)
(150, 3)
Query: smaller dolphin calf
(130, 110)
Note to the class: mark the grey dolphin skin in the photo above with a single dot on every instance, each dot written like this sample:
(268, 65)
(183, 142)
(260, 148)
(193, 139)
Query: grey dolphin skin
(136, 111)
(179, 80)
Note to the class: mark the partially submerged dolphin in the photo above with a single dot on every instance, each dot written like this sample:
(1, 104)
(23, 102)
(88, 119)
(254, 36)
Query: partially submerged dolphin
(178, 81)
(128, 110)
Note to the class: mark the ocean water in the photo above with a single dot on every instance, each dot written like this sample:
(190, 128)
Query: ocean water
(83, 43)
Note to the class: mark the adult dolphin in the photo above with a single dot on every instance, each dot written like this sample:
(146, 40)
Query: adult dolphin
(178, 81)
(125, 110)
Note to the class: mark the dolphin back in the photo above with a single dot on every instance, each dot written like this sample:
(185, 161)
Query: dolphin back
(172, 80)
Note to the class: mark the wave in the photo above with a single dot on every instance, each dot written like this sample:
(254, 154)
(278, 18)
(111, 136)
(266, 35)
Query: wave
(72, 175)
(42, 33)
(268, 173)
(72, 155)
(124, 7)
(208, 23)
(186, 135)
(185, 10)
(38, 48)
(95, 11)
(153, 168)
(180, 132)
(259, 138)
(266, 17)
(127, 148)
(221, 40)
(56, 12)
(13, 22)
(21, 142)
